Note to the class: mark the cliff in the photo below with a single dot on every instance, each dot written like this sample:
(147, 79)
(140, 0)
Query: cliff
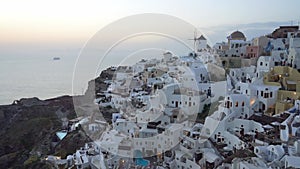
(28, 127)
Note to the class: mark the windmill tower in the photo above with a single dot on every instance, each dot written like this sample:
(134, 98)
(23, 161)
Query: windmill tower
(195, 41)
(200, 43)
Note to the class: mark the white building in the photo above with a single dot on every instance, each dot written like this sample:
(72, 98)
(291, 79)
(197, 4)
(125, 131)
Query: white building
(294, 42)
(81, 159)
(269, 153)
(291, 161)
(237, 48)
(294, 57)
(277, 44)
(249, 163)
(229, 123)
(263, 96)
(202, 43)
(185, 98)
(280, 57)
(264, 64)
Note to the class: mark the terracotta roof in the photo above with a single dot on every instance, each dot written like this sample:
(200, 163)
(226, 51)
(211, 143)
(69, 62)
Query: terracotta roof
(237, 35)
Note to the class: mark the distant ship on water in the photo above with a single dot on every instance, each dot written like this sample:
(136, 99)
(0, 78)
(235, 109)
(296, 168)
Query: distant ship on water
(56, 58)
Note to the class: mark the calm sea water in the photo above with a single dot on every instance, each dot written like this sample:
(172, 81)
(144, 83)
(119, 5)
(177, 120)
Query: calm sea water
(24, 76)
(34, 76)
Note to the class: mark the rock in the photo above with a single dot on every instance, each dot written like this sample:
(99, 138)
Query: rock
(2, 115)
(21, 138)
(216, 73)
(27, 102)
(28, 125)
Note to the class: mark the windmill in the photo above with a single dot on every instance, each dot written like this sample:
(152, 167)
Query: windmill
(195, 40)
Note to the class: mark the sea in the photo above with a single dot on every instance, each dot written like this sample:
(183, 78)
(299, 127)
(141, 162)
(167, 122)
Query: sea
(35, 76)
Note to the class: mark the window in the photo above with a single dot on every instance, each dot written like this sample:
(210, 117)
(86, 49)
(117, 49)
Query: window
(261, 63)
(266, 95)
(261, 93)
(236, 104)
(282, 127)
(271, 94)
(281, 55)
(243, 104)
(207, 131)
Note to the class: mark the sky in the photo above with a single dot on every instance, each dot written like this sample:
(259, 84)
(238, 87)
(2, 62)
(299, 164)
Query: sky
(46, 23)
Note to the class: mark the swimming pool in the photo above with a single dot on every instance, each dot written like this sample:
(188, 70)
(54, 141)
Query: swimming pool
(142, 162)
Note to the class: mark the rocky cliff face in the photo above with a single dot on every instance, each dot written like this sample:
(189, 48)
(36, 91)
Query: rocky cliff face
(28, 127)
(216, 73)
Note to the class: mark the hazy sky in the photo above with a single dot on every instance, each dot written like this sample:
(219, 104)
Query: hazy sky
(71, 21)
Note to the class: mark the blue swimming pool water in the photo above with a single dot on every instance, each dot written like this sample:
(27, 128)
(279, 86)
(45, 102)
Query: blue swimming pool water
(142, 162)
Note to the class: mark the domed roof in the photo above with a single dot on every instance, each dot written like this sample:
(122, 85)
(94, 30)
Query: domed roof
(237, 35)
